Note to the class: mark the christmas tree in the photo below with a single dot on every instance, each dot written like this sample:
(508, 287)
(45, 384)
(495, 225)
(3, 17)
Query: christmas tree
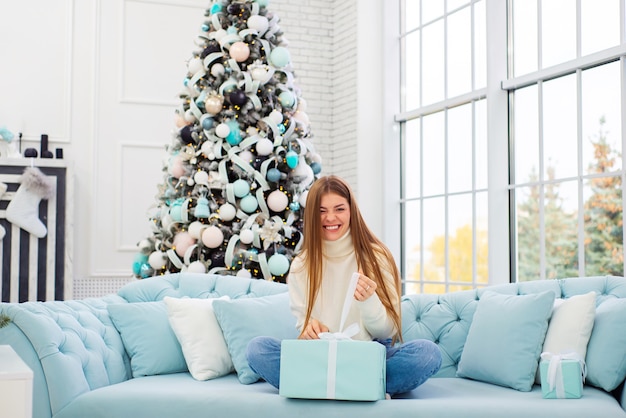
(241, 159)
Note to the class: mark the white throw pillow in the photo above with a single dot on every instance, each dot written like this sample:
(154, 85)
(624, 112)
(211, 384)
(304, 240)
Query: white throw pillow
(570, 327)
(200, 336)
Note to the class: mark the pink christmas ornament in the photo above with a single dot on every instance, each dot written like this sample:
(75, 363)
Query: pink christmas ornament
(182, 242)
(180, 121)
(213, 237)
(240, 51)
(176, 167)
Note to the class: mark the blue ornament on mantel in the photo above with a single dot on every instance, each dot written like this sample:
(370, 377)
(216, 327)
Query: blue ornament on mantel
(292, 159)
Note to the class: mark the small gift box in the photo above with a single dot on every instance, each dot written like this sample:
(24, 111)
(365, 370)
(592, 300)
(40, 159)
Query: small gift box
(334, 367)
(562, 375)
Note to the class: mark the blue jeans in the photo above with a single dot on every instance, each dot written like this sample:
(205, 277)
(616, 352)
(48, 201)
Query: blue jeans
(408, 364)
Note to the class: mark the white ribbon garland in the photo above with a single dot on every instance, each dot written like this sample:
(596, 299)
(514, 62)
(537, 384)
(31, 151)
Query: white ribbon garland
(555, 372)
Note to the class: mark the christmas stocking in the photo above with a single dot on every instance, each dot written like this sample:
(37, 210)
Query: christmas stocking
(3, 188)
(23, 210)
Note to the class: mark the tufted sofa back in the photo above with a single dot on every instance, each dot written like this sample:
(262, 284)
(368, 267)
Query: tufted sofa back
(195, 285)
(80, 350)
(446, 319)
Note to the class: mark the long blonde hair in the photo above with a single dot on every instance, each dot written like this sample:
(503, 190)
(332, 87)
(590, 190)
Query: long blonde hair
(369, 250)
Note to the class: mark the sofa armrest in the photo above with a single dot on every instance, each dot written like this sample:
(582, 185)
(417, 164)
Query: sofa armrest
(73, 344)
(13, 336)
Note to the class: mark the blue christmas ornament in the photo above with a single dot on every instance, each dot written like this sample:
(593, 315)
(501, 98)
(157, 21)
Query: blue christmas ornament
(205, 28)
(206, 121)
(248, 204)
(281, 128)
(241, 188)
(176, 210)
(231, 30)
(278, 264)
(316, 167)
(234, 136)
(202, 208)
(287, 99)
(145, 271)
(279, 57)
(141, 258)
(273, 175)
(216, 8)
(294, 206)
(292, 159)
(137, 268)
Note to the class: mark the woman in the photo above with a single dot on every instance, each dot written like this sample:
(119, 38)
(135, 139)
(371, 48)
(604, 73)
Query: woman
(337, 243)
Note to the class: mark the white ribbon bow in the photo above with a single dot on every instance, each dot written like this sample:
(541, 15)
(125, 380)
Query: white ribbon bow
(343, 334)
(555, 373)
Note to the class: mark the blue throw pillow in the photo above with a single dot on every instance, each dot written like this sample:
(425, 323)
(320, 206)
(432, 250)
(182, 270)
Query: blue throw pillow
(245, 318)
(606, 352)
(505, 339)
(148, 338)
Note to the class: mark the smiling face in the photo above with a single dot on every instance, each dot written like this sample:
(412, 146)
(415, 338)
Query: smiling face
(335, 213)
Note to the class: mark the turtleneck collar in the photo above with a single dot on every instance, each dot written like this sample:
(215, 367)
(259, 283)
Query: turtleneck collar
(339, 248)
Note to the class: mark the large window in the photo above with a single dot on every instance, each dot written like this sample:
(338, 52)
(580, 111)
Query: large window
(444, 145)
(548, 89)
(566, 138)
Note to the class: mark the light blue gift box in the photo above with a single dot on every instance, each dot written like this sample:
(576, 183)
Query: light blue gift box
(331, 369)
(570, 377)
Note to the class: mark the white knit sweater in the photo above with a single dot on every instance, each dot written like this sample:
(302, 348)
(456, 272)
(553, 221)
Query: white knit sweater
(339, 264)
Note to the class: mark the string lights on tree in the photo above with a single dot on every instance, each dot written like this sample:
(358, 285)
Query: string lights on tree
(241, 159)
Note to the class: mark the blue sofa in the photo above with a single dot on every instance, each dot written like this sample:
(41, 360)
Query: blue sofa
(83, 369)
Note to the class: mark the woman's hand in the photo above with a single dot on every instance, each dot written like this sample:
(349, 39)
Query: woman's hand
(312, 330)
(365, 287)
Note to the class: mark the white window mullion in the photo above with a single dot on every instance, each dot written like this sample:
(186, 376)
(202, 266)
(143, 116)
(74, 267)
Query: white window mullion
(498, 144)
(474, 204)
(539, 36)
(622, 61)
(421, 201)
(542, 226)
(581, 183)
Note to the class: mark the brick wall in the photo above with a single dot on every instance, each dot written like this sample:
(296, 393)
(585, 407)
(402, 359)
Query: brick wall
(322, 36)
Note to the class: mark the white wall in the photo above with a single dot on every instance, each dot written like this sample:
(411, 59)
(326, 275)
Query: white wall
(101, 78)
